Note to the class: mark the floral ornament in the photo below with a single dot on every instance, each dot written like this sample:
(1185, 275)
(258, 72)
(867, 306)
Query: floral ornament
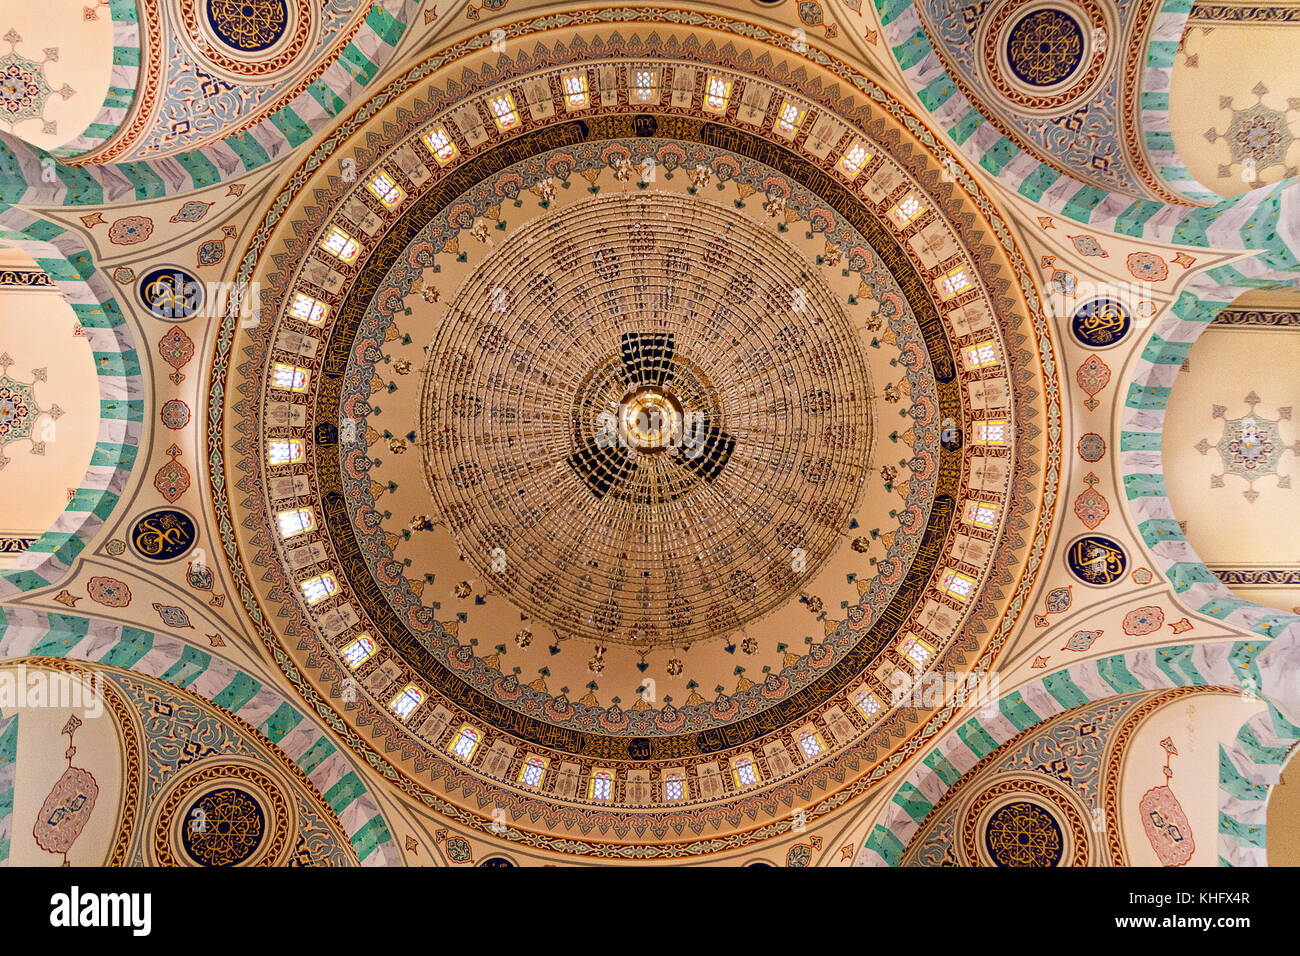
(426, 292)
(19, 411)
(1143, 620)
(192, 211)
(749, 645)
(888, 472)
(1092, 376)
(397, 445)
(1258, 137)
(1251, 447)
(700, 177)
(597, 663)
(524, 637)
(622, 170)
(212, 251)
(176, 349)
(545, 190)
(832, 254)
(861, 545)
(674, 667)
(1081, 640)
(774, 205)
(480, 230)
(130, 230)
(109, 592)
(24, 88)
(402, 366)
(1147, 267)
(1163, 818)
(173, 479)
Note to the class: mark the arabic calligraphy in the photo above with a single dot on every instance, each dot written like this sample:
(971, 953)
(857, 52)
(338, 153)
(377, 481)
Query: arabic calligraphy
(1095, 559)
(1101, 322)
(163, 535)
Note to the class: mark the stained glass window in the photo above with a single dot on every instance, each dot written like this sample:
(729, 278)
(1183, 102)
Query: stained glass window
(810, 742)
(745, 772)
(981, 354)
(644, 83)
(867, 702)
(295, 521)
(441, 145)
(716, 93)
(532, 772)
(955, 584)
(789, 117)
(854, 158)
(289, 377)
(465, 743)
(309, 310)
(602, 785)
(916, 650)
(385, 190)
(339, 243)
(404, 704)
(674, 785)
(359, 651)
(993, 432)
(283, 452)
(981, 514)
(319, 588)
(908, 208)
(503, 110)
(954, 282)
(575, 90)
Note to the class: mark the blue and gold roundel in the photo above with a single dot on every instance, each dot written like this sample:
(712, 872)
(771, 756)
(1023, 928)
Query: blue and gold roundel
(171, 293)
(223, 827)
(1024, 834)
(249, 26)
(1096, 559)
(164, 535)
(1045, 47)
(1101, 323)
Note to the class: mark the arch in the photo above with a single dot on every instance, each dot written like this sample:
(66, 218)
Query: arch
(66, 260)
(122, 84)
(1247, 769)
(29, 633)
(29, 174)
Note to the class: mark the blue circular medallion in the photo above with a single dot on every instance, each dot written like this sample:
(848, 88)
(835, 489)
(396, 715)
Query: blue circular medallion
(1095, 559)
(1045, 47)
(1024, 834)
(164, 535)
(1101, 323)
(171, 293)
(249, 26)
(223, 827)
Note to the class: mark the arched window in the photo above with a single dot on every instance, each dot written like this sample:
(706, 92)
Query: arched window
(465, 743)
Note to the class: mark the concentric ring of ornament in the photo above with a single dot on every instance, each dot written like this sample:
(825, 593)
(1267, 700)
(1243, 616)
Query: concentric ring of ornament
(1008, 63)
(461, 778)
(253, 41)
(638, 455)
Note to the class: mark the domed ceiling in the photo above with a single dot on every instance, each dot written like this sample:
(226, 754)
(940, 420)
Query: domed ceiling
(634, 432)
(707, 434)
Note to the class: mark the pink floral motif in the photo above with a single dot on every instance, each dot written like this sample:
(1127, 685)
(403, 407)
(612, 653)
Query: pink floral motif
(129, 230)
(109, 592)
(1143, 620)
